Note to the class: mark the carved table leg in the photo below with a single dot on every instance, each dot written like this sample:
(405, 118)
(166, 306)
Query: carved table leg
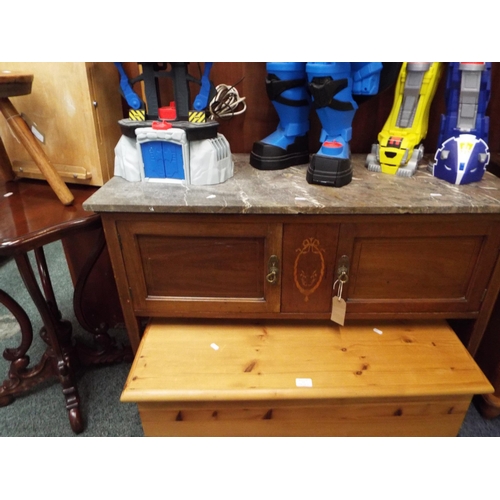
(58, 358)
(19, 377)
(107, 351)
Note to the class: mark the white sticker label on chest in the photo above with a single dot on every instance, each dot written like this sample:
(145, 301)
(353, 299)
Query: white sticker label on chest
(303, 382)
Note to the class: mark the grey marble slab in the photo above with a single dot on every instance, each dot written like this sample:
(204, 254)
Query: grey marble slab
(287, 192)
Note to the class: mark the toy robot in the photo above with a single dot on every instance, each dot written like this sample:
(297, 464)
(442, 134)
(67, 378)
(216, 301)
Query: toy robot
(463, 154)
(328, 87)
(399, 147)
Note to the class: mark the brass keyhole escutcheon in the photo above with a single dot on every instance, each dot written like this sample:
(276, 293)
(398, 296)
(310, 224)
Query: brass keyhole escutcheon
(273, 270)
(343, 269)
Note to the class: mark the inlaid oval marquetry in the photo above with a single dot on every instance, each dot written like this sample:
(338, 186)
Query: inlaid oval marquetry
(309, 267)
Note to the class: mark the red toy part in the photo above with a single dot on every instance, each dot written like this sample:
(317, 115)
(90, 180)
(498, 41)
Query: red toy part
(167, 112)
(332, 144)
(163, 125)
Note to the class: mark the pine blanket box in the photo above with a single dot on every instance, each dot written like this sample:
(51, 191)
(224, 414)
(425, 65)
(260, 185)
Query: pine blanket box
(236, 378)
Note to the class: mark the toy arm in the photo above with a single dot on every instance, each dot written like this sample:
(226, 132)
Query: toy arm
(201, 100)
(366, 78)
(130, 96)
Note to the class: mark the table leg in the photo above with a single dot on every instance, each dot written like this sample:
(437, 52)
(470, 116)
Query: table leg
(18, 375)
(107, 351)
(59, 357)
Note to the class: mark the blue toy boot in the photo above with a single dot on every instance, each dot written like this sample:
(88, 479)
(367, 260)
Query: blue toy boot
(286, 86)
(330, 85)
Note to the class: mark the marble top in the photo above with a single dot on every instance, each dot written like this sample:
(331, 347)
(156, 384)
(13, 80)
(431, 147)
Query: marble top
(286, 191)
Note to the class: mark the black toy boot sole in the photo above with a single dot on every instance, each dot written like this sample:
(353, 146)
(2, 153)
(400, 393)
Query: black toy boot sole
(268, 157)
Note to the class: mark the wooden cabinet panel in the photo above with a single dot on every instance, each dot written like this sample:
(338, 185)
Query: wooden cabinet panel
(203, 267)
(425, 265)
(195, 267)
(308, 267)
(409, 266)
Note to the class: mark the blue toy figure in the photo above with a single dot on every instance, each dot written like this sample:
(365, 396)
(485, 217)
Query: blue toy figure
(463, 154)
(328, 87)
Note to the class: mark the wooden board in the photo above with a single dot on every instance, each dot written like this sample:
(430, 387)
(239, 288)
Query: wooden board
(441, 417)
(76, 108)
(292, 378)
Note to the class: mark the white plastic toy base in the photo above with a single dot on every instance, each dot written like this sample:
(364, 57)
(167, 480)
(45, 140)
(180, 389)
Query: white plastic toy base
(127, 161)
(210, 161)
(206, 162)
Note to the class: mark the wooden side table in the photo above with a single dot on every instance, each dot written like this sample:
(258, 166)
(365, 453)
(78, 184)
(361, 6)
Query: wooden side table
(31, 217)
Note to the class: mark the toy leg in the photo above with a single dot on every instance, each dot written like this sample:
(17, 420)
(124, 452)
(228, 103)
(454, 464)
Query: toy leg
(468, 87)
(463, 154)
(399, 148)
(330, 85)
(288, 145)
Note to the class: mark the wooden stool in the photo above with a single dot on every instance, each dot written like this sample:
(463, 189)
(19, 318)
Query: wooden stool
(15, 84)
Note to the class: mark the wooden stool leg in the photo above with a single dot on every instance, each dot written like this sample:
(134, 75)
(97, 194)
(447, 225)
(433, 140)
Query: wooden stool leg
(24, 134)
(6, 173)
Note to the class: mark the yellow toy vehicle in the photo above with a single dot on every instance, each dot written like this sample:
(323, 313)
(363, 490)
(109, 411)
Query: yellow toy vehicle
(399, 147)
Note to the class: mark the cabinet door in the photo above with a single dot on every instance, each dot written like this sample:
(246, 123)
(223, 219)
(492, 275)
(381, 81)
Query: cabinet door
(197, 266)
(418, 264)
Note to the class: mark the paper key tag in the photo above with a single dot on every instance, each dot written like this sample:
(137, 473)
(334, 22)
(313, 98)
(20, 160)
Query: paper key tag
(338, 310)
